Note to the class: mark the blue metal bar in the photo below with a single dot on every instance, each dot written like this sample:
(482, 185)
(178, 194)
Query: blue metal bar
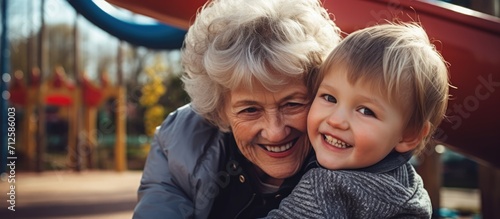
(154, 36)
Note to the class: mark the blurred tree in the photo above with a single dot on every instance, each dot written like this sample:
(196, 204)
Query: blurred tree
(19, 58)
(162, 93)
(136, 58)
(153, 72)
(103, 64)
(176, 96)
(138, 66)
(57, 47)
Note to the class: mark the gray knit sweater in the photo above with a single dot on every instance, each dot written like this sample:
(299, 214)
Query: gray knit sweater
(389, 189)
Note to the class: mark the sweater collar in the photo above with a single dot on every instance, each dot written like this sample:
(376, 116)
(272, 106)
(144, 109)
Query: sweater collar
(392, 161)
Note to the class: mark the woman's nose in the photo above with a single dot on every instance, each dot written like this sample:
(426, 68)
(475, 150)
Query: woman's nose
(275, 129)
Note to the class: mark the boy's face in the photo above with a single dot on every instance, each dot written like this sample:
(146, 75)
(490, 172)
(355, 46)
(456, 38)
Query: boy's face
(353, 126)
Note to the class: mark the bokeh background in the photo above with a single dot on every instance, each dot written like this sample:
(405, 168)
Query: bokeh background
(87, 104)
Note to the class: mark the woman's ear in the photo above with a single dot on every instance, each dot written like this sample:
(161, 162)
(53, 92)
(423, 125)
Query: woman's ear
(411, 140)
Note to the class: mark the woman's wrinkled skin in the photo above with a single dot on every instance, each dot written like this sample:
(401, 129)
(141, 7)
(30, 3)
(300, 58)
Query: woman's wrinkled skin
(270, 128)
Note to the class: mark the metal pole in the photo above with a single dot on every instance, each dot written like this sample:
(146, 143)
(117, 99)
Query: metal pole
(76, 114)
(40, 147)
(5, 65)
(29, 44)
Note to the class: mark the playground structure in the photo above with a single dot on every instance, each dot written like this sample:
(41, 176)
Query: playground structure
(468, 40)
(82, 101)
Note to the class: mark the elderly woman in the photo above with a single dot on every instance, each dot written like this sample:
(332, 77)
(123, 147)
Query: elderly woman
(240, 147)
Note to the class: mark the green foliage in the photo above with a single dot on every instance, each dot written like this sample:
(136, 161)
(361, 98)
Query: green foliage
(155, 98)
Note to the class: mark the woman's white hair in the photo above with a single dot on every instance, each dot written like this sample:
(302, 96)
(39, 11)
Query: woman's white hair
(235, 42)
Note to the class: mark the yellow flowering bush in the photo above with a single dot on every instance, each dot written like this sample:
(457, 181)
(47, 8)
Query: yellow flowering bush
(151, 93)
(152, 118)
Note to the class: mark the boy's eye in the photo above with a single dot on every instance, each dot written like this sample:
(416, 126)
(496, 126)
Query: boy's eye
(329, 98)
(366, 111)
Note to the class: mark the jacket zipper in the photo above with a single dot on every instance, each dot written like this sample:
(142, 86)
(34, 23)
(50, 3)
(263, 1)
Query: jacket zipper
(246, 206)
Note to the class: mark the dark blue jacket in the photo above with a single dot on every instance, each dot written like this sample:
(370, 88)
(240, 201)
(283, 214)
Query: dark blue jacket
(193, 170)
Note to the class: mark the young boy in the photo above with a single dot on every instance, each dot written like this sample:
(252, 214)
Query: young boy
(378, 98)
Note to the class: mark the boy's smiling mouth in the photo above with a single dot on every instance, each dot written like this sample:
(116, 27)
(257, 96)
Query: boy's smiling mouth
(336, 142)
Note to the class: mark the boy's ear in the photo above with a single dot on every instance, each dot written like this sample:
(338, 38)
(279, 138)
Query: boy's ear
(412, 139)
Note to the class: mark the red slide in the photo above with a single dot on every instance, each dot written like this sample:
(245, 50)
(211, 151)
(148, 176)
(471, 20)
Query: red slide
(468, 40)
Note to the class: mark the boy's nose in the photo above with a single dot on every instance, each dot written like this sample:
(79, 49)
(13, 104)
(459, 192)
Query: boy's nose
(338, 119)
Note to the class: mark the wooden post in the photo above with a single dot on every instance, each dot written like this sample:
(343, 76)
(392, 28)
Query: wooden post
(30, 128)
(77, 103)
(41, 132)
(73, 144)
(121, 110)
(120, 143)
(430, 169)
(89, 120)
(489, 185)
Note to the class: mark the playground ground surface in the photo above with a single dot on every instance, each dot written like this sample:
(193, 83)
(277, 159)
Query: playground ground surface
(110, 195)
(72, 195)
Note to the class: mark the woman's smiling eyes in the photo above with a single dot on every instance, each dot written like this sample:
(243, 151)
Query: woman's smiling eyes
(288, 107)
(249, 110)
(249, 113)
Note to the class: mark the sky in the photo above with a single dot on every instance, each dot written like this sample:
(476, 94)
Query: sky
(57, 11)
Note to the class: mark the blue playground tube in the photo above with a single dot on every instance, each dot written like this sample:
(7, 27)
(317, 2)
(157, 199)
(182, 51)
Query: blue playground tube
(153, 36)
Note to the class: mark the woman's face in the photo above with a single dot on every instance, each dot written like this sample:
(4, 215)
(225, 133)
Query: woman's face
(270, 127)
